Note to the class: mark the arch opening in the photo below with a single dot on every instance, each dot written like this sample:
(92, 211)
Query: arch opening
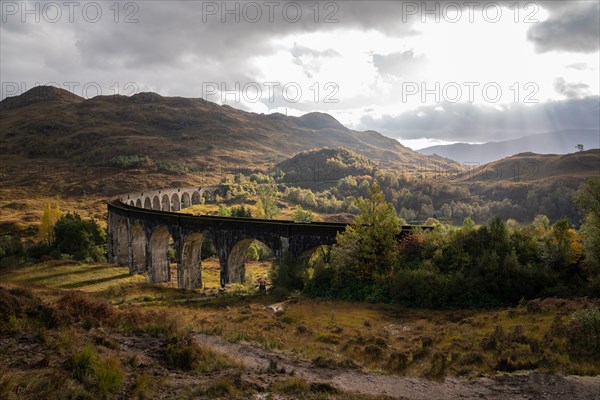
(138, 250)
(207, 197)
(196, 198)
(138, 203)
(132, 203)
(148, 203)
(159, 269)
(175, 204)
(315, 260)
(249, 263)
(186, 201)
(156, 203)
(166, 203)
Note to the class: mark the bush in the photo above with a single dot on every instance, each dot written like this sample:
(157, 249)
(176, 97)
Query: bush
(419, 288)
(183, 353)
(38, 250)
(78, 237)
(104, 375)
(587, 332)
(252, 253)
(288, 274)
(87, 310)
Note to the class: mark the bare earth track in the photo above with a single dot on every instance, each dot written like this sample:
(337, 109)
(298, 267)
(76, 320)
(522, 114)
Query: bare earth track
(530, 386)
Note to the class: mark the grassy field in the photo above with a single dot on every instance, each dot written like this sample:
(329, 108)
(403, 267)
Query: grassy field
(394, 340)
(92, 332)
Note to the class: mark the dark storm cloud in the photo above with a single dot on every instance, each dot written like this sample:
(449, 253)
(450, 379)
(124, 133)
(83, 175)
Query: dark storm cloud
(571, 26)
(570, 90)
(474, 123)
(168, 31)
(175, 46)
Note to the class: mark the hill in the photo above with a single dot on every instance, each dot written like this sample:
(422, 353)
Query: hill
(323, 167)
(531, 167)
(47, 122)
(560, 142)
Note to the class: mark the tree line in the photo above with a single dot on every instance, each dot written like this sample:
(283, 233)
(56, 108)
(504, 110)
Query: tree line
(497, 263)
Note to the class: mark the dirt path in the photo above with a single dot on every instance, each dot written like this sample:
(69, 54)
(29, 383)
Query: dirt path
(530, 386)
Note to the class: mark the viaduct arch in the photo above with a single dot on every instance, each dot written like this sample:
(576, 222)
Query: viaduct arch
(141, 226)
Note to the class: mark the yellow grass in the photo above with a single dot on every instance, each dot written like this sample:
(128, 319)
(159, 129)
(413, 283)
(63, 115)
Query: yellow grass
(336, 334)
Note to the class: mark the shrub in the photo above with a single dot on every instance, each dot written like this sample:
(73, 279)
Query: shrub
(103, 375)
(183, 353)
(221, 388)
(78, 237)
(90, 311)
(288, 274)
(291, 386)
(586, 337)
(252, 253)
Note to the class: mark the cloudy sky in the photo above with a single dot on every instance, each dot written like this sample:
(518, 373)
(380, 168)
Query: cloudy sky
(422, 72)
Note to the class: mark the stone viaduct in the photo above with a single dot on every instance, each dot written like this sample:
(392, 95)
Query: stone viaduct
(143, 226)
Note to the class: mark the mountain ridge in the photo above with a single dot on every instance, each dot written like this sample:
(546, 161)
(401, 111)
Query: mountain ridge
(178, 129)
(542, 143)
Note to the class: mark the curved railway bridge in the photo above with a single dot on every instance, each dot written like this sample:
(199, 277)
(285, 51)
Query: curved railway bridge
(142, 225)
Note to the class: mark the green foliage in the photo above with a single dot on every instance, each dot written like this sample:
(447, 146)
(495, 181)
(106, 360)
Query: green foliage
(126, 162)
(266, 204)
(252, 253)
(301, 215)
(491, 265)
(208, 249)
(365, 250)
(288, 274)
(11, 250)
(176, 167)
(588, 199)
(240, 211)
(587, 338)
(224, 211)
(79, 238)
(102, 374)
(325, 165)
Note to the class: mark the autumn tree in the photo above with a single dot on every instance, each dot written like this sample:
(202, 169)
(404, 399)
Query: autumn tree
(365, 249)
(266, 205)
(47, 223)
(301, 215)
(224, 211)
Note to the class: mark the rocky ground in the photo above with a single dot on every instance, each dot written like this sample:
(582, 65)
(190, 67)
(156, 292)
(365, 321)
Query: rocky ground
(528, 386)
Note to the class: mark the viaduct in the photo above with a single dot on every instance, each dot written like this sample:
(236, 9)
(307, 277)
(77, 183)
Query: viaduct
(142, 226)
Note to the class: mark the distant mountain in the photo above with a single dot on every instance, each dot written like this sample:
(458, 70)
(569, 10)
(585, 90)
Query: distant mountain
(561, 142)
(51, 123)
(531, 167)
